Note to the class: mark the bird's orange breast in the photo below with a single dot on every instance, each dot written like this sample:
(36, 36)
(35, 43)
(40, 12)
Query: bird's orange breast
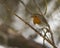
(36, 20)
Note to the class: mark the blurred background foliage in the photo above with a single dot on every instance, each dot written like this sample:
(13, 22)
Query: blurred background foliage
(9, 24)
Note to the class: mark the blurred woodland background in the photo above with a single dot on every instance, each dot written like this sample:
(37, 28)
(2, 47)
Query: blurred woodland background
(15, 33)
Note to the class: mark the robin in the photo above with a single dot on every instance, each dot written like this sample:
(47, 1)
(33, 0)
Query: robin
(40, 20)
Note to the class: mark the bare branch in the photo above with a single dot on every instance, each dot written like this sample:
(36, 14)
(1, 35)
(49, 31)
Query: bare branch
(27, 8)
(36, 31)
(46, 7)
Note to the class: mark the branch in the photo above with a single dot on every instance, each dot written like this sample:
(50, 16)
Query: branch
(36, 31)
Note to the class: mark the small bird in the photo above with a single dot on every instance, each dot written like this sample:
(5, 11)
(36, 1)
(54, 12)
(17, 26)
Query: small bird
(40, 20)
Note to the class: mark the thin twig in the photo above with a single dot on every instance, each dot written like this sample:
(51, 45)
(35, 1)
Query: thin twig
(46, 7)
(52, 36)
(27, 8)
(37, 7)
(36, 31)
